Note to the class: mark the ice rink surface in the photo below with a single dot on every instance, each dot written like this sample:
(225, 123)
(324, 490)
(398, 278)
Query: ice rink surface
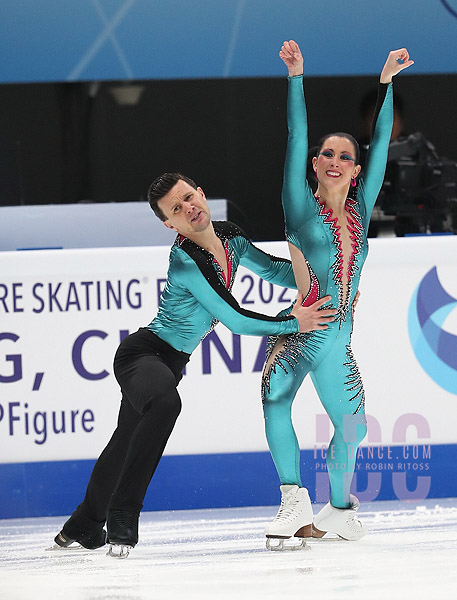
(410, 552)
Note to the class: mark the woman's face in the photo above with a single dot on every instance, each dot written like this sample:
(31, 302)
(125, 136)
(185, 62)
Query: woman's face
(335, 164)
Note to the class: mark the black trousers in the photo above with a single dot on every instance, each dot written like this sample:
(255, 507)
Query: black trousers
(148, 371)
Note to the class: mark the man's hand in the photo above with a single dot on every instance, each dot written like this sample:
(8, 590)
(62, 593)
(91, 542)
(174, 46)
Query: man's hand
(310, 318)
(392, 66)
(292, 58)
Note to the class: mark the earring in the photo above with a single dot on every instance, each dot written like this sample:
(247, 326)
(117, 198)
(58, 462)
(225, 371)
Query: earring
(353, 182)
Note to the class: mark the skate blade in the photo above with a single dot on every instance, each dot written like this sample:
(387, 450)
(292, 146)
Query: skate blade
(72, 547)
(331, 538)
(326, 536)
(119, 550)
(278, 545)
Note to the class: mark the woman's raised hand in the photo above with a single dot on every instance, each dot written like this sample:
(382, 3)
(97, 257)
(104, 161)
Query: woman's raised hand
(392, 66)
(292, 58)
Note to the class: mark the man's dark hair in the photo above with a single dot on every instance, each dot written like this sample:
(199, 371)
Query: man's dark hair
(161, 186)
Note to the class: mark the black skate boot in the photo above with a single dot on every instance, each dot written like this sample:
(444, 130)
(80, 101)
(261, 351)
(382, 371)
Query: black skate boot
(90, 541)
(80, 529)
(122, 526)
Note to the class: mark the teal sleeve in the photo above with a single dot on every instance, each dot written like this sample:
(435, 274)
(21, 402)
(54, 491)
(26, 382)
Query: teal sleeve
(270, 268)
(373, 177)
(296, 191)
(220, 303)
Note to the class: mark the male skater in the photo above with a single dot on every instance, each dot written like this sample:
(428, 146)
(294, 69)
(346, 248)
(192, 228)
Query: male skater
(148, 364)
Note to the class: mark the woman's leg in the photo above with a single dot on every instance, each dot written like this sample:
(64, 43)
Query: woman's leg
(339, 386)
(285, 369)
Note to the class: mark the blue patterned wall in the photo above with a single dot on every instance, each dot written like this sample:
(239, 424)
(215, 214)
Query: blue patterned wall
(68, 40)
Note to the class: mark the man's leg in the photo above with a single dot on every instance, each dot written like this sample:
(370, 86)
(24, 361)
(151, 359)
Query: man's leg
(86, 523)
(151, 389)
(149, 409)
(150, 384)
(106, 470)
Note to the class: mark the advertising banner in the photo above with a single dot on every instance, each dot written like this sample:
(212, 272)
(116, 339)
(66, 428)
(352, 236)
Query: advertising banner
(64, 312)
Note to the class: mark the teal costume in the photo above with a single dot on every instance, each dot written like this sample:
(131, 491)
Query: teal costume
(196, 295)
(325, 354)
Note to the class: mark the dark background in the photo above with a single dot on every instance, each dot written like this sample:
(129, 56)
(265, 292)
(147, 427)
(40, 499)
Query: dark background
(71, 142)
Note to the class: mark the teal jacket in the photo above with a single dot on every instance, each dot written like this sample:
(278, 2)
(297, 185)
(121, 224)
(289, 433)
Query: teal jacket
(196, 296)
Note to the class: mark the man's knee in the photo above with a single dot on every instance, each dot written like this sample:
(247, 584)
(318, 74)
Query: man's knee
(166, 402)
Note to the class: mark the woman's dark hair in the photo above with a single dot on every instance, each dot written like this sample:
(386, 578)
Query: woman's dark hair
(161, 186)
(341, 134)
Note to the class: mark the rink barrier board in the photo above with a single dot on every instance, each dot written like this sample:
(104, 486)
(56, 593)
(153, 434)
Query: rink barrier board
(184, 482)
(63, 314)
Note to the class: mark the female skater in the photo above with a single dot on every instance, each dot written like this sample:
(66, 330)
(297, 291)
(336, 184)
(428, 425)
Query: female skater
(329, 229)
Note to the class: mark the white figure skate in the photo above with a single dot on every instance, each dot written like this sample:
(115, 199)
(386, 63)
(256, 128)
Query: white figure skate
(342, 521)
(294, 519)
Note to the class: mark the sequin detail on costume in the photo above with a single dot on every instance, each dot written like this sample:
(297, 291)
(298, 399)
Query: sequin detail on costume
(354, 382)
(314, 288)
(214, 322)
(229, 254)
(294, 347)
(356, 236)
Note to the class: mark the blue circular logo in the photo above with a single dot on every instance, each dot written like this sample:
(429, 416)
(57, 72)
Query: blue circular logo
(435, 348)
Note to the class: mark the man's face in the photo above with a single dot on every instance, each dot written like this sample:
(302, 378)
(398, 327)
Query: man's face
(185, 208)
